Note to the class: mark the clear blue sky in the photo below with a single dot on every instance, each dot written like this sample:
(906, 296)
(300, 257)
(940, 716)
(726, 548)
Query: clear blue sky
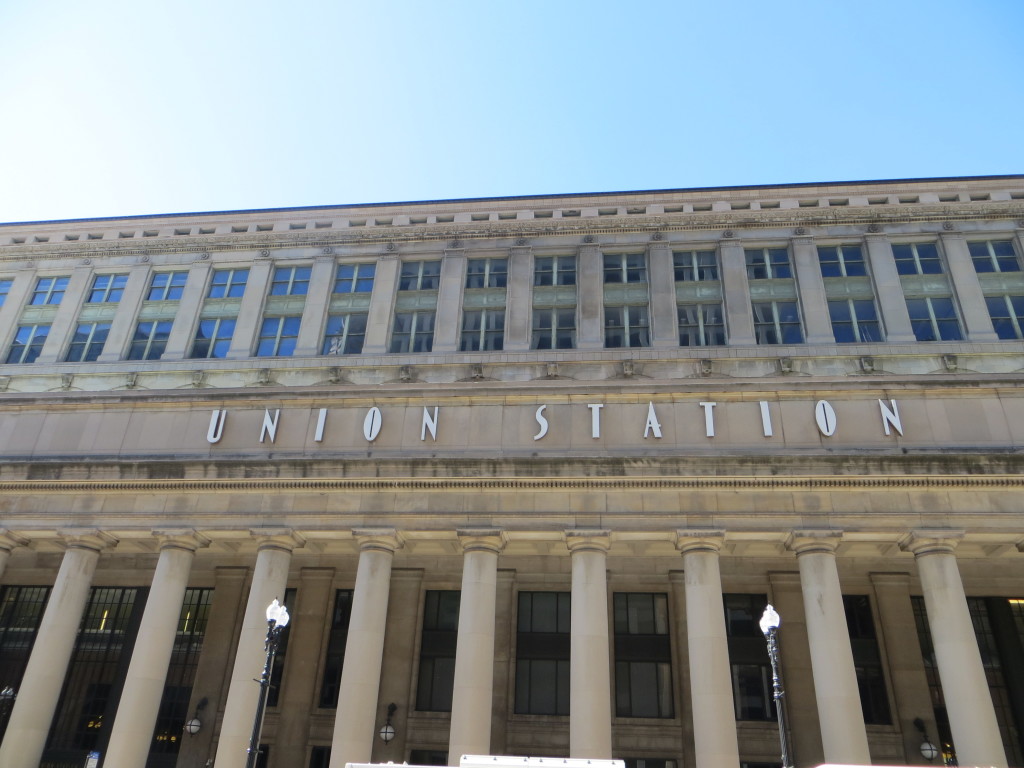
(118, 107)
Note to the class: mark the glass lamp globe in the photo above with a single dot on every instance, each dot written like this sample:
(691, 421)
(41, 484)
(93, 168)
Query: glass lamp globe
(770, 620)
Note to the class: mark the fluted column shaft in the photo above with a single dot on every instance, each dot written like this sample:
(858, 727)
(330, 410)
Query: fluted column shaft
(714, 715)
(364, 650)
(41, 685)
(843, 735)
(137, 711)
(972, 718)
(269, 580)
(590, 699)
(474, 653)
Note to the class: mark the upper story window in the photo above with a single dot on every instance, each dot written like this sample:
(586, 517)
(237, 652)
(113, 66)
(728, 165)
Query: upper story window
(412, 332)
(49, 290)
(695, 265)
(167, 286)
(107, 288)
(768, 263)
(28, 343)
(1007, 313)
(487, 273)
(5, 288)
(554, 328)
(917, 258)
(354, 278)
(554, 270)
(777, 322)
(419, 276)
(87, 343)
(841, 261)
(290, 281)
(228, 283)
(994, 256)
(626, 326)
(625, 268)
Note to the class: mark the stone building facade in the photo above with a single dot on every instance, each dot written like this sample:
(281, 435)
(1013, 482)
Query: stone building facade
(527, 469)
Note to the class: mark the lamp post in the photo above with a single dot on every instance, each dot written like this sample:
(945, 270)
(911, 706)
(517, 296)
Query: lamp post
(770, 621)
(277, 620)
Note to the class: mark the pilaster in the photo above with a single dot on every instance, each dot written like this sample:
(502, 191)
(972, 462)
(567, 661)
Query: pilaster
(662, 282)
(519, 304)
(183, 329)
(964, 277)
(888, 290)
(739, 318)
(250, 312)
(811, 289)
(123, 324)
(590, 301)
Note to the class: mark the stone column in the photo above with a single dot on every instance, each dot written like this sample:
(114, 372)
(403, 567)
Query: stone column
(888, 290)
(382, 302)
(664, 316)
(314, 311)
(474, 654)
(519, 304)
(739, 318)
(250, 312)
(504, 620)
(448, 317)
(183, 329)
(680, 668)
(590, 298)
(64, 322)
(811, 288)
(590, 697)
(714, 714)
(964, 278)
(897, 629)
(972, 718)
(137, 710)
(8, 541)
(364, 650)
(122, 326)
(843, 734)
(41, 685)
(299, 682)
(269, 580)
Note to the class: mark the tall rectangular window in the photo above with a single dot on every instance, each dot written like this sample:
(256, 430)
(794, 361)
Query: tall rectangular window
(336, 641)
(994, 256)
(553, 328)
(413, 332)
(290, 281)
(5, 289)
(28, 343)
(694, 265)
(554, 270)
(542, 653)
(874, 701)
(437, 651)
(643, 656)
(483, 330)
(278, 336)
(854, 321)
(419, 276)
(49, 290)
(228, 283)
(626, 327)
(487, 273)
(748, 657)
(344, 334)
(917, 258)
(150, 340)
(21, 610)
(934, 319)
(841, 261)
(777, 322)
(167, 286)
(87, 343)
(213, 338)
(354, 278)
(768, 263)
(107, 289)
(1007, 313)
(625, 268)
(701, 325)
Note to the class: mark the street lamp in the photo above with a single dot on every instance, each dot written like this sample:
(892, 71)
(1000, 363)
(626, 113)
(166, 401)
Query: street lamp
(928, 750)
(770, 621)
(277, 620)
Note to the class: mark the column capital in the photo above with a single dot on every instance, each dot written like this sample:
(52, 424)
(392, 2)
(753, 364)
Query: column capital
(700, 540)
(9, 540)
(380, 539)
(931, 541)
(188, 539)
(482, 539)
(285, 539)
(86, 538)
(809, 541)
(593, 540)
